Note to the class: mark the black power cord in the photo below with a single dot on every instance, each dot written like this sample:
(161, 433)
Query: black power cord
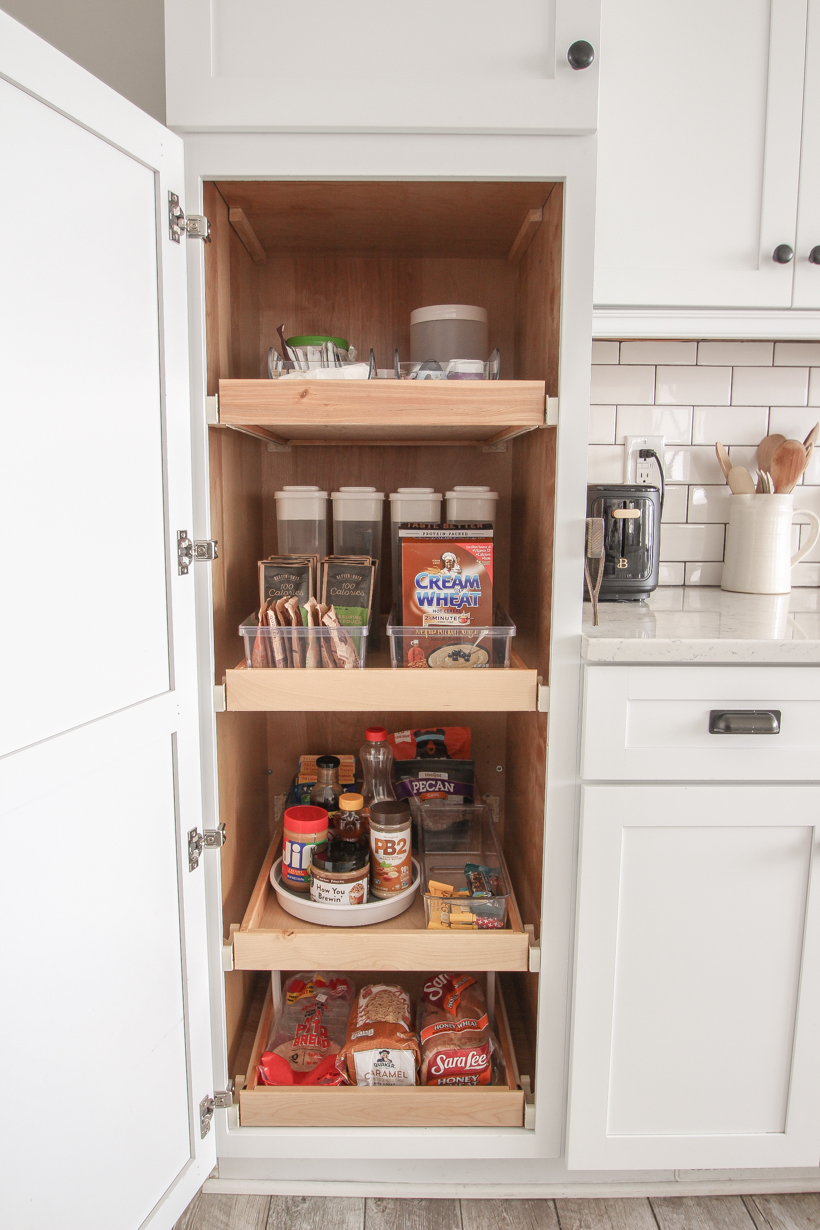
(645, 454)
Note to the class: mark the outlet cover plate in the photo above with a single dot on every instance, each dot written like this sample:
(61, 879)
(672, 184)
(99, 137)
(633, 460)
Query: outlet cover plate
(635, 469)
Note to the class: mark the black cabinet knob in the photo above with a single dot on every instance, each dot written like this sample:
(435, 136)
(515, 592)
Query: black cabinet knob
(581, 54)
(814, 255)
(782, 254)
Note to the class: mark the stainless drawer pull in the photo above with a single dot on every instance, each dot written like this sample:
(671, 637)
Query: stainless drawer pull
(744, 721)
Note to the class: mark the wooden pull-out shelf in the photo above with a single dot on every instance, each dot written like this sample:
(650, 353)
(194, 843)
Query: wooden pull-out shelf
(313, 412)
(382, 689)
(409, 1107)
(270, 938)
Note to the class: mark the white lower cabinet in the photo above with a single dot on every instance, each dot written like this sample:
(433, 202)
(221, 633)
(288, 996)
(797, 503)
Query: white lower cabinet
(696, 1006)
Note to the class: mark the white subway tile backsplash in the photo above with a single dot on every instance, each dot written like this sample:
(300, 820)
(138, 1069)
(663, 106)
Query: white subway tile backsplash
(693, 394)
(605, 463)
(796, 354)
(659, 352)
(770, 386)
(729, 424)
(602, 424)
(703, 574)
(670, 574)
(805, 574)
(692, 542)
(674, 423)
(722, 354)
(605, 352)
(709, 504)
(674, 504)
(629, 385)
(691, 465)
(814, 387)
(693, 386)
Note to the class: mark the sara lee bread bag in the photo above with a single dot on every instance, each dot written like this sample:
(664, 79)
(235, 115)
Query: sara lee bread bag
(456, 1044)
(381, 1046)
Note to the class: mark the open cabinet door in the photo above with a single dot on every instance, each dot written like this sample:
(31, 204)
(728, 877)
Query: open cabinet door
(104, 1033)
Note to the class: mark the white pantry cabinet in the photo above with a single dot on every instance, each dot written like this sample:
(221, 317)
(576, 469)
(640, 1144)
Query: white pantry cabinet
(697, 1000)
(702, 107)
(465, 66)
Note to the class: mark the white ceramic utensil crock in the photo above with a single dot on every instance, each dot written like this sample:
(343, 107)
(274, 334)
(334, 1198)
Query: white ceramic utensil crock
(758, 557)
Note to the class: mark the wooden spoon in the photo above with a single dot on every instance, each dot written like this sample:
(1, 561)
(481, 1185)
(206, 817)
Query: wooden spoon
(765, 452)
(723, 459)
(811, 438)
(740, 481)
(788, 463)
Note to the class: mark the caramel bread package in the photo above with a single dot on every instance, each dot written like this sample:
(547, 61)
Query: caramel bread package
(457, 1047)
(381, 1047)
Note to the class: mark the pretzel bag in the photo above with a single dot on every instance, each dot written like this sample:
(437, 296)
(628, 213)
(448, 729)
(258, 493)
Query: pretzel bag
(456, 1044)
(381, 1046)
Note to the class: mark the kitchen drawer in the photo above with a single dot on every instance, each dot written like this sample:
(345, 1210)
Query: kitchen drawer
(433, 1106)
(651, 723)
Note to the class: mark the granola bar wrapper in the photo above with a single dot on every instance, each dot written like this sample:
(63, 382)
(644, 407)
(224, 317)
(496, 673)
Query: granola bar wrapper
(456, 1044)
(381, 1047)
(343, 648)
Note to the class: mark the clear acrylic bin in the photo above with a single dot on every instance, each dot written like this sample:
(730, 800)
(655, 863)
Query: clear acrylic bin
(454, 647)
(450, 837)
(305, 648)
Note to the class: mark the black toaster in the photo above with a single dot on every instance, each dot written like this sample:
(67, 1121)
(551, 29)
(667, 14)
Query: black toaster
(632, 538)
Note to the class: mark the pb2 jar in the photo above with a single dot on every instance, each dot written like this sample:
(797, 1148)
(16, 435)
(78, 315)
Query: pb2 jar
(390, 843)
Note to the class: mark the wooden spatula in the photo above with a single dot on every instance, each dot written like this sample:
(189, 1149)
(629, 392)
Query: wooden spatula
(740, 481)
(788, 463)
(723, 459)
(765, 452)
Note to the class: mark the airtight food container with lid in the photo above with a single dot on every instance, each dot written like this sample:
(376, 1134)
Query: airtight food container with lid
(410, 504)
(447, 331)
(301, 521)
(471, 504)
(357, 521)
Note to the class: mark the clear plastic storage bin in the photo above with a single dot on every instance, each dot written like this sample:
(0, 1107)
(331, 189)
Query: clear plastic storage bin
(304, 648)
(474, 829)
(451, 647)
(301, 521)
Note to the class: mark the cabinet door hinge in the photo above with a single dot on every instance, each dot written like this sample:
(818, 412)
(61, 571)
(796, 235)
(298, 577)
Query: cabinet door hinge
(206, 1114)
(199, 550)
(223, 1098)
(552, 411)
(195, 226)
(211, 839)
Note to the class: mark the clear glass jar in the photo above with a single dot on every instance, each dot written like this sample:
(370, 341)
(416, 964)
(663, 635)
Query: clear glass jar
(377, 767)
(327, 789)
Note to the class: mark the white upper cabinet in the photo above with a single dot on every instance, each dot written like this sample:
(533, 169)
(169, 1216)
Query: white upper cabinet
(699, 154)
(466, 66)
(806, 270)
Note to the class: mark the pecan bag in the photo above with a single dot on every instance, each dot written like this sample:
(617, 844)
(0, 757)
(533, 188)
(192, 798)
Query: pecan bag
(381, 1046)
(456, 1044)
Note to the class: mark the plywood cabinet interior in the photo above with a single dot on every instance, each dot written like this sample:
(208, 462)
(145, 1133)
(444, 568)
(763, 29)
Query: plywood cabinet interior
(353, 260)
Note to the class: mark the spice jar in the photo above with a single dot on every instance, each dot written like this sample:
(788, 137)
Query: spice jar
(349, 823)
(305, 827)
(327, 789)
(390, 842)
(340, 873)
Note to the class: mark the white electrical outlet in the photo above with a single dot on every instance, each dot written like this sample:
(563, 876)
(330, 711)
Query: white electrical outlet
(642, 470)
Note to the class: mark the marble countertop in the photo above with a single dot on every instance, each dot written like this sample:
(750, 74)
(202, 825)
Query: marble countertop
(706, 625)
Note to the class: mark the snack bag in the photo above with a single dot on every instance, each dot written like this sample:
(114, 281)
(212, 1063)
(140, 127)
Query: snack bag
(435, 743)
(308, 1032)
(381, 1046)
(456, 1044)
(450, 780)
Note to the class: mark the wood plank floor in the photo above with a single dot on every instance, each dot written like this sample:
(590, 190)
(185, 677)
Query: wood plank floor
(797, 1212)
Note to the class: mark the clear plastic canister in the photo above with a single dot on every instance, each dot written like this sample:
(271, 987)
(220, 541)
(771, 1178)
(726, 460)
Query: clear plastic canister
(357, 521)
(301, 521)
(410, 504)
(471, 504)
(446, 331)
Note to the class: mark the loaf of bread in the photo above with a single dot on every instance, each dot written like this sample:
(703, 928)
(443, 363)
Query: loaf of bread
(456, 1045)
